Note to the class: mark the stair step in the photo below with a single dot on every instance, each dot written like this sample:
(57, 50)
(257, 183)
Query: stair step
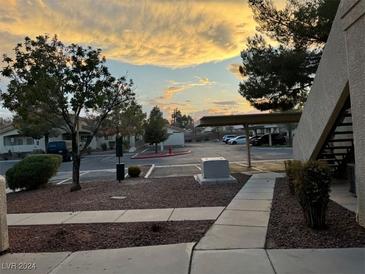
(333, 165)
(338, 147)
(344, 124)
(340, 140)
(343, 132)
(333, 153)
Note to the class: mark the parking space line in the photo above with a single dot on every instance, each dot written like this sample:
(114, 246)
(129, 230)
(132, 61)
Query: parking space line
(65, 180)
(136, 154)
(149, 171)
(198, 167)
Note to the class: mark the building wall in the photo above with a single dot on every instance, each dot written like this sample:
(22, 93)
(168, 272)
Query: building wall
(37, 143)
(353, 23)
(323, 103)
(4, 148)
(341, 73)
(175, 139)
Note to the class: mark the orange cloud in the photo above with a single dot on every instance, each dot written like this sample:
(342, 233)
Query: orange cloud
(157, 32)
(177, 87)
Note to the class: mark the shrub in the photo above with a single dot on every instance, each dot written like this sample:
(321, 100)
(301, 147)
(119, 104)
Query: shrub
(294, 170)
(33, 171)
(134, 171)
(313, 193)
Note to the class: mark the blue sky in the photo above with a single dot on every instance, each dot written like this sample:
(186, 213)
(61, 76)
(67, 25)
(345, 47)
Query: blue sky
(182, 54)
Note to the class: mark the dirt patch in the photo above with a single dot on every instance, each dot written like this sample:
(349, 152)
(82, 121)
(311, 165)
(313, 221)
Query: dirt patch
(140, 194)
(76, 237)
(287, 228)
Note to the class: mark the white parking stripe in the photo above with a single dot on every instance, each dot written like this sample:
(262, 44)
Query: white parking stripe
(149, 171)
(64, 181)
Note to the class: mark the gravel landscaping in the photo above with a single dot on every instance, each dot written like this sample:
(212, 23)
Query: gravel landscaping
(287, 228)
(133, 193)
(76, 237)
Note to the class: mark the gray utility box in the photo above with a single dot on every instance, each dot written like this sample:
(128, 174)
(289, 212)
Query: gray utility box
(215, 170)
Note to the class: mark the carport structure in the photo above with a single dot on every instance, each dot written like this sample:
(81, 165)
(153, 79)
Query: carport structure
(250, 119)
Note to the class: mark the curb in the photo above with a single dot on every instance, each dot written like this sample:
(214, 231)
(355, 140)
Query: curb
(160, 156)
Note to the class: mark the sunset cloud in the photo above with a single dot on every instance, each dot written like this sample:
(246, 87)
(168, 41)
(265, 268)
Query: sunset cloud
(225, 103)
(163, 33)
(177, 87)
(234, 68)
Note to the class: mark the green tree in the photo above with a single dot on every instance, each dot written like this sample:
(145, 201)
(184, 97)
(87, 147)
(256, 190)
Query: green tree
(180, 120)
(155, 129)
(279, 77)
(64, 82)
(125, 121)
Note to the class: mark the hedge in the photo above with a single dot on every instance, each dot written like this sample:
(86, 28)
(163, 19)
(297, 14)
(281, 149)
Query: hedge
(33, 171)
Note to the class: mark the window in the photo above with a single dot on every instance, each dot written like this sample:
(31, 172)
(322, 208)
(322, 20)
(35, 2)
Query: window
(19, 141)
(30, 141)
(14, 140)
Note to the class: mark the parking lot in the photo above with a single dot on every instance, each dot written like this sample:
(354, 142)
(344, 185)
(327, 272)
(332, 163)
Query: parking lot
(102, 166)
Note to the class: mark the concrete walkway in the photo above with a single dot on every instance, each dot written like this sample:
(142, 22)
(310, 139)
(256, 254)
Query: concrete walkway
(236, 241)
(340, 194)
(164, 259)
(234, 244)
(116, 216)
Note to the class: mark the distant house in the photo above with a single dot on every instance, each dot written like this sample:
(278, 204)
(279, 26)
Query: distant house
(12, 141)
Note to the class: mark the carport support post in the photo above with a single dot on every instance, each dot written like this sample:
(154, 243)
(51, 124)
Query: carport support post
(248, 144)
(4, 238)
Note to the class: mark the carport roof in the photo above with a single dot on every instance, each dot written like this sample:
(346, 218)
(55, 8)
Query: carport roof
(250, 119)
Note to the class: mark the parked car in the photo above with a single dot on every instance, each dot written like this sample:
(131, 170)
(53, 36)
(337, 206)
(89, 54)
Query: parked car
(63, 148)
(276, 139)
(237, 140)
(253, 138)
(226, 138)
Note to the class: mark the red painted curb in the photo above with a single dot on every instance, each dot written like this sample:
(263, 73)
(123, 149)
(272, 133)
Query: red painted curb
(160, 156)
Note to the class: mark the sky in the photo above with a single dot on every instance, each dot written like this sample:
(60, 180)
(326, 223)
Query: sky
(180, 54)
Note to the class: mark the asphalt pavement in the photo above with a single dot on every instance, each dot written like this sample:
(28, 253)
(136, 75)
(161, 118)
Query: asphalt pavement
(102, 165)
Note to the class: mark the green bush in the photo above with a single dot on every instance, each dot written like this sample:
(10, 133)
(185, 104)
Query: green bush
(33, 171)
(134, 171)
(294, 171)
(313, 193)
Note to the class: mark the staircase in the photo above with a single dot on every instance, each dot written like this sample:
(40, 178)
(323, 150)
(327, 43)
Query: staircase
(338, 149)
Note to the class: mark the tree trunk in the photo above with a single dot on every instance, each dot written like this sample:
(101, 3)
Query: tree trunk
(156, 147)
(290, 137)
(46, 141)
(76, 159)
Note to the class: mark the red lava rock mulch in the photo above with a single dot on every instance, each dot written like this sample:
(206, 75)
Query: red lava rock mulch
(75, 237)
(287, 228)
(140, 194)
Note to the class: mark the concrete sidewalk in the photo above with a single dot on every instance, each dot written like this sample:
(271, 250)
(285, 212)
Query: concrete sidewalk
(164, 259)
(175, 259)
(116, 216)
(236, 241)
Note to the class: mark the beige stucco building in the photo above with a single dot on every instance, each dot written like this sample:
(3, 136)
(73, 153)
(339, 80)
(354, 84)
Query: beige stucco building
(332, 126)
